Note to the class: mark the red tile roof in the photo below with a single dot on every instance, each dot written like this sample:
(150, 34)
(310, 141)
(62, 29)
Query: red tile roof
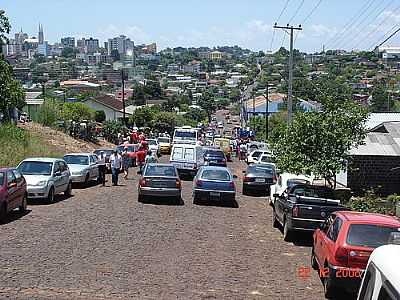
(109, 101)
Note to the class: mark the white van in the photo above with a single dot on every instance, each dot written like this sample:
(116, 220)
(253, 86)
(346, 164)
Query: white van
(187, 158)
(382, 277)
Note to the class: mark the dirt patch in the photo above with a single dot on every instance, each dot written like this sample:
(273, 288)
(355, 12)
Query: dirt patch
(63, 142)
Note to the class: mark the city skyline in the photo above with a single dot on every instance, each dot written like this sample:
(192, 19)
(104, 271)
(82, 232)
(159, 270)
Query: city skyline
(212, 24)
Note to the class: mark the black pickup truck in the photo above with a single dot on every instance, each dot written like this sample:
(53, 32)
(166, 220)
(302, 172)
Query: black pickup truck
(303, 207)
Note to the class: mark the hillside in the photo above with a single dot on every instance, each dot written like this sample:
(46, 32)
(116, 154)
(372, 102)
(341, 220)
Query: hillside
(32, 139)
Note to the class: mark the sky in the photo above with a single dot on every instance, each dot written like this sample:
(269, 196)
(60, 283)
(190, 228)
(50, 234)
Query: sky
(190, 23)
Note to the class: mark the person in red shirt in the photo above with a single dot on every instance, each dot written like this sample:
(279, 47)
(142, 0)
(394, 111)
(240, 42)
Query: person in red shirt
(140, 158)
(134, 137)
(141, 137)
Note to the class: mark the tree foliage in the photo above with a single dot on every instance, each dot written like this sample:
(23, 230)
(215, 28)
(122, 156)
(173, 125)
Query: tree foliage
(100, 116)
(207, 102)
(381, 102)
(4, 28)
(76, 112)
(319, 142)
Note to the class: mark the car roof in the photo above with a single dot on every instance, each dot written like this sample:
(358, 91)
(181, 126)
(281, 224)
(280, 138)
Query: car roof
(73, 154)
(386, 259)
(6, 169)
(43, 159)
(160, 164)
(215, 168)
(365, 217)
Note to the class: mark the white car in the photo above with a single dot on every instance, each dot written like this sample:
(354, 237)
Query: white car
(253, 156)
(46, 177)
(266, 158)
(284, 181)
(83, 166)
(154, 146)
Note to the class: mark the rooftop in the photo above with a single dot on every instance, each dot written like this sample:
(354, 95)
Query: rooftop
(369, 217)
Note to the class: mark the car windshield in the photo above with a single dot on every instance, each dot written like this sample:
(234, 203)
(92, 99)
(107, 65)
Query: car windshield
(183, 153)
(163, 140)
(267, 158)
(106, 152)
(130, 148)
(214, 153)
(35, 168)
(292, 182)
(157, 170)
(260, 170)
(368, 235)
(77, 159)
(1, 178)
(256, 154)
(152, 142)
(315, 192)
(185, 134)
(220, 175)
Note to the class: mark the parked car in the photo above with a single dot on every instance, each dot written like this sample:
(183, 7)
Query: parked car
(154, 146)
(303, 207)
(259, 178)
(284, 181)
(343, 244)
(132, 151)
(214, 157)
(213, 184)
(46, 177)
(108, 153)
(83, 167)
(159, 180)
(165, 145)
(187, 158)
(254, 155)
(13, 193)
(266, 158)
(382, 278)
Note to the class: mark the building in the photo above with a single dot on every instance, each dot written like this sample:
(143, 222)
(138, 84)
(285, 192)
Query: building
(215, 55)
(68, 42)
(112, 108)
(150, 49)
(121, 43)
(32, 104)
(80, 85)
(41, 34)
(91, 45)
(43, 49)
(127, 92)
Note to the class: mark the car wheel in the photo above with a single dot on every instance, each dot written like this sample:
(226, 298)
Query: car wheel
(24, 204)
(314, 263)
(275, 222)
(50, 196)
(3, 212)
(287, 233)
(329, 288)
(86, 183)
(68, 191)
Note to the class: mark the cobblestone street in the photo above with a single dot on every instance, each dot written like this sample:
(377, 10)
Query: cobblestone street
(103, 244)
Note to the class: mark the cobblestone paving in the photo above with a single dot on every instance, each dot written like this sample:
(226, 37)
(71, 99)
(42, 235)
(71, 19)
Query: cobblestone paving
(103, 244)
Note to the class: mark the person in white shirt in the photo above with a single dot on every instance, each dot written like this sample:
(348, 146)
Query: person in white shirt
(102, 167)
(116, 165)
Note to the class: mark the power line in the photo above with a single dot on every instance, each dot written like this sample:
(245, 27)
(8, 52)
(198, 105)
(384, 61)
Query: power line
(350, 23)
(311, 12)
(297, 11)
(392, 35)
(279, 17)
(367, 17)
(387, 32)
(375, 29)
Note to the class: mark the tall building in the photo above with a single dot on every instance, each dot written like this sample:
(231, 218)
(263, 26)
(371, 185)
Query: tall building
(41, 34)
(121, 43)
(20, 38)
(43, 49)
(68, 42)
(91, 45)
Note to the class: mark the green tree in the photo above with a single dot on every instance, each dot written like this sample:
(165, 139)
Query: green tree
(76, 112)
(381, 101)
(196, 114)
(234, 95)
(69, 52)
(12, 94)
(319, 142)
(100, 116)
(4, 29)
(48, 113)
(208, 103)
(144, 116)
(165, 122)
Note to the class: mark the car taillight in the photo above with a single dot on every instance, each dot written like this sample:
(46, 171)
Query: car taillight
(198, 182)
(248, 179)
(342, 256)
(295, 211)
(142, 182)
(232, 184)
(178, 184)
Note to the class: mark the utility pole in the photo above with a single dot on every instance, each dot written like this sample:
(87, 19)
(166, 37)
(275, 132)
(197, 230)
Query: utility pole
(266, 112)
(253, 119)
(123, 95)
(290, 84)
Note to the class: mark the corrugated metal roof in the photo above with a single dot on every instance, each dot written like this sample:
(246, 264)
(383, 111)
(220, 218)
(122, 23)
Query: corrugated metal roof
(376, 119)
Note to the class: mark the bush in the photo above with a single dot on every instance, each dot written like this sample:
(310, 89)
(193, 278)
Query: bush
(100, 116)
(48, 113)
(374, 204)
(76, 112)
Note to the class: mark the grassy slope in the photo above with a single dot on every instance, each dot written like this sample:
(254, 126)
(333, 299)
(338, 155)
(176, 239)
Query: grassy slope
(17, 144)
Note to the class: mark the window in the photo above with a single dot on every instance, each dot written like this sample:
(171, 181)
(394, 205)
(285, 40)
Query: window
(256, 154)
(77, 159)
(1, 179)
(220, 175)
(57, 167)
(367, 288)
(159, 171)
(388, 292)
(17, 175)
(35, 168)
(189, 154)
(92, 159)
(334, 230)
(314, 192)
(63, 166)
(10, 177)
(178, 153)
(367, 235)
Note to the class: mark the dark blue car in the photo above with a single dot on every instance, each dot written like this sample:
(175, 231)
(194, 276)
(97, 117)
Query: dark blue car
(213, 184)
(214, 157)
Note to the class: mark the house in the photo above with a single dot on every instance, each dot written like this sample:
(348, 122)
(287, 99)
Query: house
(112, 107)
(33, 103)
(80, 85)
(376, 164)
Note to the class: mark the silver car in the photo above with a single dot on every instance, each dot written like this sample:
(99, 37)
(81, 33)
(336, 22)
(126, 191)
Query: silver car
(159, 180)
(83, 166)
(46, 177)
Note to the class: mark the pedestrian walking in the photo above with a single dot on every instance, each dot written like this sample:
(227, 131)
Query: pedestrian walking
(141, 158)
(243, 151)
(126, 162)
(116, 164)
(102, 167)
(150, 158)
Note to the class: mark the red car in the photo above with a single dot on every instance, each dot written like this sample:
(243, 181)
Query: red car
(12, 192)
(132, 151)
(343, 244)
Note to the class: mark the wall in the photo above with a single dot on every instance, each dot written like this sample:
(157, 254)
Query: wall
(367, 172)
(110, 113)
